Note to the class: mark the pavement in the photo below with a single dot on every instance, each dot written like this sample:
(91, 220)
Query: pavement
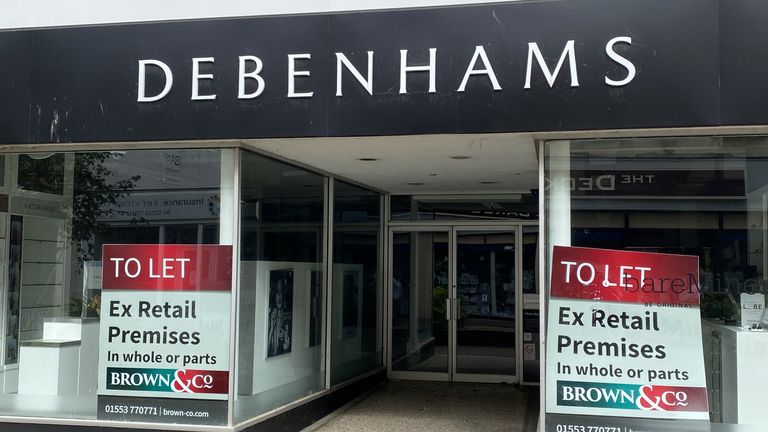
(438, 406)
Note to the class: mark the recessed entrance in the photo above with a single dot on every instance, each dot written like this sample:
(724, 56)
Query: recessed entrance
(462, 233)
(456, 301)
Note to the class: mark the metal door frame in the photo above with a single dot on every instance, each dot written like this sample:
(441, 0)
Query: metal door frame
(450, 229)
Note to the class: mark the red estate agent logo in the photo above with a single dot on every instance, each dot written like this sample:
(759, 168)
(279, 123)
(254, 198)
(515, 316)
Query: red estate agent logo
(199, 381)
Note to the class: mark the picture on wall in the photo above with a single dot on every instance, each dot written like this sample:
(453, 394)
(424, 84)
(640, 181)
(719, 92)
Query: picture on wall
(315, 307)
(350, 307)
(280, 313)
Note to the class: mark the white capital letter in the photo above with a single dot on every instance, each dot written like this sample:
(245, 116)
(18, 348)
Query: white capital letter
(569, 51)
(197, 76)
(292, 73)
(428, 68)
(117, 265)
(242, 75)
(366, 82)
(620, 60)
(142, 80)
(487, 69)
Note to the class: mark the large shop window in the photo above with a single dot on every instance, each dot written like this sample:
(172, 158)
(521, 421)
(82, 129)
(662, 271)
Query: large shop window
(356, 339)
(56, 212)
(281, 348)
(705, 197)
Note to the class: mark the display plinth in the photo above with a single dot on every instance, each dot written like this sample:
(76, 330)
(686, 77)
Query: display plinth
(741, 378)
(47, 367)
(86, 330)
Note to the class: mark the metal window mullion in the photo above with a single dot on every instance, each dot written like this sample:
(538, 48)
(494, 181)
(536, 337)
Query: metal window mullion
(543, 282)
(328, 276)
(382, 306)
(235, 296)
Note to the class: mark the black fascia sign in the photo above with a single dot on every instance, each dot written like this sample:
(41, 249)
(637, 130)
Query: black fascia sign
(507, 67)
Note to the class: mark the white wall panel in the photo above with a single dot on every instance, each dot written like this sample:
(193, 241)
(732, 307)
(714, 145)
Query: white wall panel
(50, 13)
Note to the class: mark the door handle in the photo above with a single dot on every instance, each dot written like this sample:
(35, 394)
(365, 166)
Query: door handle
(448, 309)
(458, 308)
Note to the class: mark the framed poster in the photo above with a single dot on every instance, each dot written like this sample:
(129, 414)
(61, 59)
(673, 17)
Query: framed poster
(315, 307)
(350, 307)
(280, 312)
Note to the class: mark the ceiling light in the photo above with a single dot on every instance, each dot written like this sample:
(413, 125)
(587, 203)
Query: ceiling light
(367, 159)
(433, 175)
(461, 157)
(415, 183)
(488, 182)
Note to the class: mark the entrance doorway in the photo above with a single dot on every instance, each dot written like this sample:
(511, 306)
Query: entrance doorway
(456, 301)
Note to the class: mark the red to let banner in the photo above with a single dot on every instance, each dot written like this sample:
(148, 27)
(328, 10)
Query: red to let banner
(624, 276)
(160, 267)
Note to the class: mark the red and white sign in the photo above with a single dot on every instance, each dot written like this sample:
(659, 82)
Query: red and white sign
(624, 335)
(167, 267)
(627, 277)
(165, 321)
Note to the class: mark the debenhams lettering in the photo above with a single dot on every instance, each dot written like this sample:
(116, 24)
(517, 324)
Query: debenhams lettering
(251, 84)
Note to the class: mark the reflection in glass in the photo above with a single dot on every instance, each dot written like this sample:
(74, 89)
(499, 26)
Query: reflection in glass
(62, 208)
(700, 196)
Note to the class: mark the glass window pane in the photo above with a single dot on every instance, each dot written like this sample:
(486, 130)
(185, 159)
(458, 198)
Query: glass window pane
(281, 348)
(419, 301)
(62, 208)
(356, 338)
(705, 197)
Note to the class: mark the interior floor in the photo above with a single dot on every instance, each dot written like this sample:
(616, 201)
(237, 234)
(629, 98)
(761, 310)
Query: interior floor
(440, 407)
(470, 359)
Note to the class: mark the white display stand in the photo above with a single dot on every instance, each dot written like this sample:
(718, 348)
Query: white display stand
(64, 361)
(743, 376)
(46, 367)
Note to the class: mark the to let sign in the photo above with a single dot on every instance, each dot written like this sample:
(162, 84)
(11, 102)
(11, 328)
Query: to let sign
(624, 335)
(164, 337)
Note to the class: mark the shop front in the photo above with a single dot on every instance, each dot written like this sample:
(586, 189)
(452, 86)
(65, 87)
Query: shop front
(243, 223)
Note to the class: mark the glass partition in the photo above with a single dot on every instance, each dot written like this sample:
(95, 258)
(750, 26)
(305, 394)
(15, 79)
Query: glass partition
(281, 348)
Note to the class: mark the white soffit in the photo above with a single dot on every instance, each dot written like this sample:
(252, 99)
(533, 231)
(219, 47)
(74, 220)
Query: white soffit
(455, 164)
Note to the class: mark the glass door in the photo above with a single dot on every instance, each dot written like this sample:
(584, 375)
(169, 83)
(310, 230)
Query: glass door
(486, 263)
(420, 338)
(454, 303)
